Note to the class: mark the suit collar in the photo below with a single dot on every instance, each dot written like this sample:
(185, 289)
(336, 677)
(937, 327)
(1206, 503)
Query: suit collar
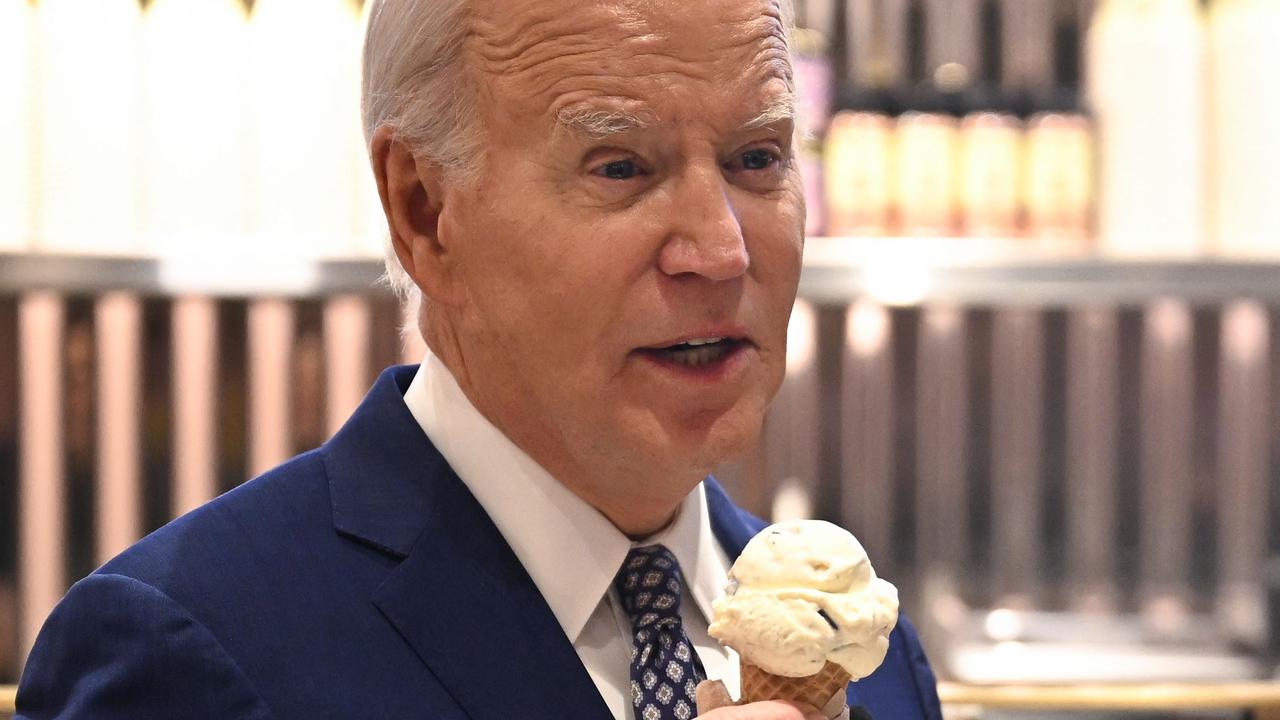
(379, 465)
(732, 527)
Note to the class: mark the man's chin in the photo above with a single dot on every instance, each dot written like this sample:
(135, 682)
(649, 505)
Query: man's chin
(706, 443)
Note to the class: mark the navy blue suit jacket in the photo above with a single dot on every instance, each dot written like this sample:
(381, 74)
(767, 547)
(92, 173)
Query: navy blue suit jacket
(360, 580)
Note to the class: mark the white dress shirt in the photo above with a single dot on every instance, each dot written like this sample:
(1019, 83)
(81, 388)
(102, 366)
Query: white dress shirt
(571, 551)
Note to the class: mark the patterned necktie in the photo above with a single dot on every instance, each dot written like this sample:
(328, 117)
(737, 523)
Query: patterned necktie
(665, 670)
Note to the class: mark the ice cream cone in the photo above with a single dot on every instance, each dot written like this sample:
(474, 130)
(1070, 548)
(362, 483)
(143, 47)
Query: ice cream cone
(803, 597)
(816, 690)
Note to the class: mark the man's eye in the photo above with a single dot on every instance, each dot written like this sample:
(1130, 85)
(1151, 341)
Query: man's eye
(619, 170)
(759, 159)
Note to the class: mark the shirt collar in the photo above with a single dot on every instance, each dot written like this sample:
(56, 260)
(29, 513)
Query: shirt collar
(573, 566)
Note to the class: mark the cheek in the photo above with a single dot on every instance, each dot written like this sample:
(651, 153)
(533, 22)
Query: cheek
(775, 237)
(544, 294)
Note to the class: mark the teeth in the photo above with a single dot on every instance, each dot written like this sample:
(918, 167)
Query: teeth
(698, 355)
(703, 341)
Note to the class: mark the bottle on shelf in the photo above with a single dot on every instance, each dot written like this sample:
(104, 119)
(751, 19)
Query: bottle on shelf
(1058, 180)
(1146, 90)
(926, 138)
(15, 124)
(1244, 41)
(927, 161)
(303, 168)
(89, 134)
(991, 143)
(1058, 185)
(858, 170)
(196, 148)
(859, 147)
(990, 140)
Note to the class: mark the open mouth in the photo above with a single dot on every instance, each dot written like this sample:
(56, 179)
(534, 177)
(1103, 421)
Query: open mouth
(698, 352)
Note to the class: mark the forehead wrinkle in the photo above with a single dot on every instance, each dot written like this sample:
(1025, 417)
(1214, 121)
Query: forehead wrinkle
(563, 79)
(772, 57)
(660, 70)
(549, 55)
(578, 48)
(616, 36)
(499, 41)
(544, 33)
(557, 68)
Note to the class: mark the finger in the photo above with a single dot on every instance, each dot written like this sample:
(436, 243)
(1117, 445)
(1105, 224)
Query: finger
(770, 710)
(712, 695)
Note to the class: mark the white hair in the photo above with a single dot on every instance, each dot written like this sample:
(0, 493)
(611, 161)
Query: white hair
(414, 80)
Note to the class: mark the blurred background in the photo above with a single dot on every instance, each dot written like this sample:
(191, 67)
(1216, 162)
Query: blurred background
(1032, 366)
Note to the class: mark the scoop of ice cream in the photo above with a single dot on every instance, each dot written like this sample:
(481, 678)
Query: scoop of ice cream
(801, 593)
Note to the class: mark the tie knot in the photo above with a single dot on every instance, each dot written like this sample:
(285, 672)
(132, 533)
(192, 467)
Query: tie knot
(649, 585)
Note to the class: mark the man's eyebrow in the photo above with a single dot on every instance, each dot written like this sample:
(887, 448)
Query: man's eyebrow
(598, 123)
(779, 109)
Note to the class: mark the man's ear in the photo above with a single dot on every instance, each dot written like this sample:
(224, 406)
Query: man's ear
(412, 193)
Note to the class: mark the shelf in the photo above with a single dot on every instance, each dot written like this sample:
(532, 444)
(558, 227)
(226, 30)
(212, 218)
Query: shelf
(966, 271)
(837, 270)
(198, 276)
(1113, 697)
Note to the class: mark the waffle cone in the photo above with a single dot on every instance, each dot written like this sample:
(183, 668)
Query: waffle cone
(816, 690)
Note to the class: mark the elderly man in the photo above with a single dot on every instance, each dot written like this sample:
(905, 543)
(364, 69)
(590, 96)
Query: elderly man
(597, 208)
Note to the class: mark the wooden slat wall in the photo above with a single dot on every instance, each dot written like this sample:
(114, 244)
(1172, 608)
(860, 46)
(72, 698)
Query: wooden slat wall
(41, 474)
(195, 392)
(1017, 449)
(1083, 458)
(40, 523)
(942, 412)
(1166, 460)
(119, 348)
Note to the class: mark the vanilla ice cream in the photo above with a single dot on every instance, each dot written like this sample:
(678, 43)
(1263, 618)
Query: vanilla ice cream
(801, 594)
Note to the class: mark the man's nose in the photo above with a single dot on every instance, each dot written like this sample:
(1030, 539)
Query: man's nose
(705, 237)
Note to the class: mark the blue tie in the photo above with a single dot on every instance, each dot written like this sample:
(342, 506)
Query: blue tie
(665, 670)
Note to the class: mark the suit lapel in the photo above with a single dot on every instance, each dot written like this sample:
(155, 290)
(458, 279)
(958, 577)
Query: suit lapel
(460, 597)
(466, 605)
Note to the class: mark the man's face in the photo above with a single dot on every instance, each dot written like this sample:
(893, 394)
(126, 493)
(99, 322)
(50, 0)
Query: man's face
(638, 192)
